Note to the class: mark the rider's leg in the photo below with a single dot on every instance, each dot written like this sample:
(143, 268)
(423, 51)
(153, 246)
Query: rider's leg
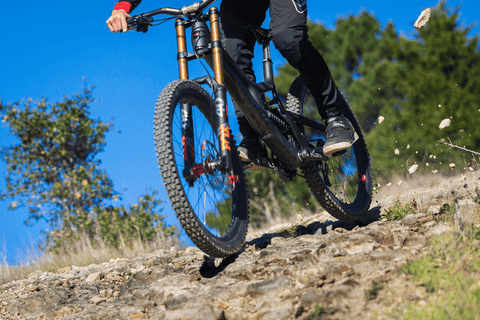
(239, 43)
(289, 29)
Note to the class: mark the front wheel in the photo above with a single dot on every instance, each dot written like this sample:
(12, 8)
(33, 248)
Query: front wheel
(342, 185)
(212, 206)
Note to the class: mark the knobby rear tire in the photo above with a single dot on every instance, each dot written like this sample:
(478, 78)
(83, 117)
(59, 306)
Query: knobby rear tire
(223, 229)
(349, 195)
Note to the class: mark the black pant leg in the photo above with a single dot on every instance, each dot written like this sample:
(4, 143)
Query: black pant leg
(239, 43)
(289, 29)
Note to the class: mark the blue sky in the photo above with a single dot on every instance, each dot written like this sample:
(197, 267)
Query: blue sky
(48, 47)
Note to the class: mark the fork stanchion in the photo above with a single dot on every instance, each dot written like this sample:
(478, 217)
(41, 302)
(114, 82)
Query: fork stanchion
(185, 107)
(216, 46)
(181, 49)
(221, 93)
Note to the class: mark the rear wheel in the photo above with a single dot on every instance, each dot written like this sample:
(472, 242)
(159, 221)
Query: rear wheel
(342, 185)
(212, 206)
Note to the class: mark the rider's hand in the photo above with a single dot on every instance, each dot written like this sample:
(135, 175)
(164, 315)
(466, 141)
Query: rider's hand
(118, 21)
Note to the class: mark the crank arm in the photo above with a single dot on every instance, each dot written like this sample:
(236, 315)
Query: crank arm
(313, 154)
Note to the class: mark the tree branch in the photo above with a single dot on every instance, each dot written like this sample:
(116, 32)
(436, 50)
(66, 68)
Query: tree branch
(454, 146)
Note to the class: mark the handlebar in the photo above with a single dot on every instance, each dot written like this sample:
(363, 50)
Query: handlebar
(197, 6)
(143, 21)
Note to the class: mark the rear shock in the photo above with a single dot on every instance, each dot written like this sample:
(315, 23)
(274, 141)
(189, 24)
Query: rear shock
(278, 122)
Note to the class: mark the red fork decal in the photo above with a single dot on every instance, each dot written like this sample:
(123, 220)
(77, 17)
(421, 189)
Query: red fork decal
(184, 145)
(234, 179)
(364, 178)
(225, 137)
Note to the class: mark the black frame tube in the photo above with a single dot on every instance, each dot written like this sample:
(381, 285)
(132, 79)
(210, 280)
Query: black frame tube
(245, 94)
(249, 100)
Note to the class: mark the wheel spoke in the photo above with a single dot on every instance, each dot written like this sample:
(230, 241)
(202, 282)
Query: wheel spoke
(207, 197)
(336, 183)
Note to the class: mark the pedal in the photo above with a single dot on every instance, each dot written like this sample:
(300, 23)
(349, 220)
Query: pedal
(256, 165)
(339, 153)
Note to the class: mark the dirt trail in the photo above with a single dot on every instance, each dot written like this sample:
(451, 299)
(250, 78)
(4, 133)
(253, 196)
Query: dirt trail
(322, 265)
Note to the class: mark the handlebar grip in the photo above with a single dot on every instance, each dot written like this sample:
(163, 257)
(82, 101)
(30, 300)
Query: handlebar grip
(130, 22)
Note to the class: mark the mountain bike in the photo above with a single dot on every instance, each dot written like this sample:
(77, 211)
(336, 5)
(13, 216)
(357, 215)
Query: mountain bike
(197, 155)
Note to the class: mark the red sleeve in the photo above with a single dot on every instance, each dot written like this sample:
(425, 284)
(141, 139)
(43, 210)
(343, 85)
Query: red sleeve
(127, 5)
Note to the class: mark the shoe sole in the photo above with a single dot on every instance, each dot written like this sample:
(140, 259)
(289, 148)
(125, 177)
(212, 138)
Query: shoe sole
(247, 163)
(252, 166)
(243, 155)
(337, 147)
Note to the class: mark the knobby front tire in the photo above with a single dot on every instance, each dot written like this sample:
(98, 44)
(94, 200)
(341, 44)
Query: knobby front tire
(342, 185)
(213, 210)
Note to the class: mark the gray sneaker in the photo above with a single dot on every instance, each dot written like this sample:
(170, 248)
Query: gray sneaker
(340, 135)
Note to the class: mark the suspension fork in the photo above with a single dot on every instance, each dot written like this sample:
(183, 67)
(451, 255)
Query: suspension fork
(221, 108)
(188, 143)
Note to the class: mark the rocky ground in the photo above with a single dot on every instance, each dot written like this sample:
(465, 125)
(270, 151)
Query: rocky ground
(320, 265)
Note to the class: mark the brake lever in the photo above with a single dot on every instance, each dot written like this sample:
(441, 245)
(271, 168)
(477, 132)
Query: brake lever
(139, 23)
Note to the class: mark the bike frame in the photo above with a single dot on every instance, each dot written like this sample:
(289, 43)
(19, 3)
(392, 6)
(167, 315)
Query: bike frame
(245, 94)
(206, 166)
(248, 97)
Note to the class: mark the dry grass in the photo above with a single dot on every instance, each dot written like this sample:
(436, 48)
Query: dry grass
(82, 253)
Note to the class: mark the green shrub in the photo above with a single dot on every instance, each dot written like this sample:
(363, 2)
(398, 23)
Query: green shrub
(397, 212)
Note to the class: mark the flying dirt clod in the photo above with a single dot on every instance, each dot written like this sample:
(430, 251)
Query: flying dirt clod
(423, 19)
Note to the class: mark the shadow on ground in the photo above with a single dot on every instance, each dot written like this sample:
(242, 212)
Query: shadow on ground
(209, 270)
(315, 228)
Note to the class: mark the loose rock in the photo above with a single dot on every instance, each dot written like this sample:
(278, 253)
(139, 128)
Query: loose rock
(281, 274)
